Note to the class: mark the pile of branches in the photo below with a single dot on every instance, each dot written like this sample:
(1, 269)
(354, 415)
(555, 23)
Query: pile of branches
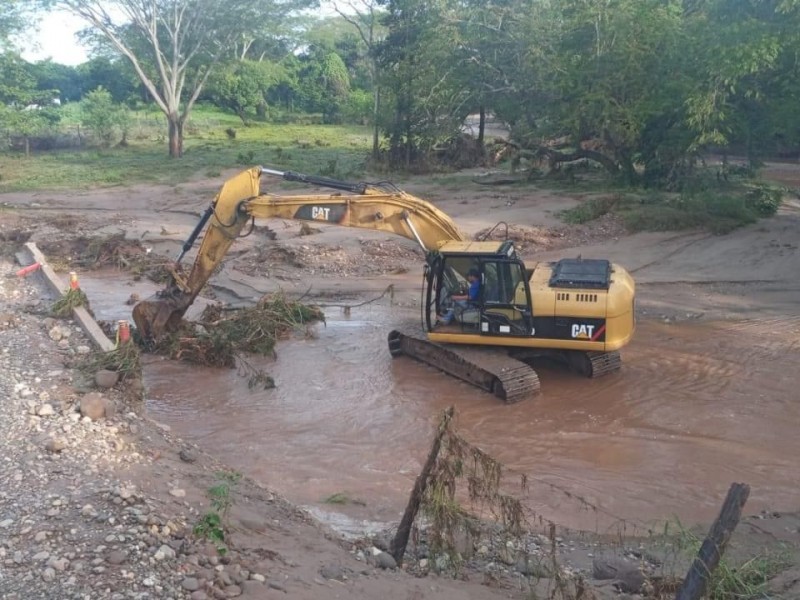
(219, 337)
(113, 250)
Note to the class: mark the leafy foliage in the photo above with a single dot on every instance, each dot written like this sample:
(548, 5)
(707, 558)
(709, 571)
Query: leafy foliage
(102, 117)
(242, 86)
(173, 46)
(336, 84)
(213, 524)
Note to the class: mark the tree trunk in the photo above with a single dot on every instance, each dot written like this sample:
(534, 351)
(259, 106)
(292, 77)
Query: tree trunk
(555, 158)
(376, 106)
(27, 146)
(175, 135)
(481, 126)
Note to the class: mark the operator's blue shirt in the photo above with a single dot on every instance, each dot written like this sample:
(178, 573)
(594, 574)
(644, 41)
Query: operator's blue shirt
(474, 290)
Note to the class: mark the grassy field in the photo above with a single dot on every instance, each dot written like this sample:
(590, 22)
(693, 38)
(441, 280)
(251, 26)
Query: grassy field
(215, 142)
(332, 150)
(720, 209)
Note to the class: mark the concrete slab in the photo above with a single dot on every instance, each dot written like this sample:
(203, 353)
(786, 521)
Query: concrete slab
(57, 284)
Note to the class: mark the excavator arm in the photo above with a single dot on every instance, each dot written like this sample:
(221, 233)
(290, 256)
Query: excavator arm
(381, 207)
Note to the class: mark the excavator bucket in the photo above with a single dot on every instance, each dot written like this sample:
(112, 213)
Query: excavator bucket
(158, 315)
(162, 313)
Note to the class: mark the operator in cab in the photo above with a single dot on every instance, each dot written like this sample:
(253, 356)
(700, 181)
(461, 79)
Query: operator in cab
(462, 302)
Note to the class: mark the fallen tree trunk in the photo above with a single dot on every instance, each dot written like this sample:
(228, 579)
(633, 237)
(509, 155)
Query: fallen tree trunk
(555, 156)
(696, 582)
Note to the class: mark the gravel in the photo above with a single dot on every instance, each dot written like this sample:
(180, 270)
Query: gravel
(71, 526)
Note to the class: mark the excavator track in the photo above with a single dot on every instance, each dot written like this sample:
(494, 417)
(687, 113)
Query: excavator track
(492, 370)
(593, 364)
(604, 363)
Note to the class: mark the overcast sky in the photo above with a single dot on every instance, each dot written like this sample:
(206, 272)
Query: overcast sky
(55, 38)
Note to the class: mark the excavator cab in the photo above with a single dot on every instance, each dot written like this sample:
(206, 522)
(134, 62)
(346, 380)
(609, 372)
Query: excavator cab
(503, 306)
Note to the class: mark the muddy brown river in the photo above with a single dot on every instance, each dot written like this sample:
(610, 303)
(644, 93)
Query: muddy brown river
(696, 407)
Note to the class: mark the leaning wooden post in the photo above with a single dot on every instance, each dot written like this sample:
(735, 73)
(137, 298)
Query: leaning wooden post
(696, 582)
(400, 541)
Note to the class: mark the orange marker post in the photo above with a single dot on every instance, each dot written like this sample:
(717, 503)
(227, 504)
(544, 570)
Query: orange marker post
(28, 270)
(123, 332)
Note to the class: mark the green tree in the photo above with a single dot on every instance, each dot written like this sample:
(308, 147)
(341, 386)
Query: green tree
(336, 83)
(112, 73)
(365, 16)
(24, 110)
(12, 20)
(63, 79)
(101, 116)
(173, 45)
(243, 85)
(424, 101)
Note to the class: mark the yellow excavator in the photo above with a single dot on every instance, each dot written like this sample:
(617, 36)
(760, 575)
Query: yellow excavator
(579, 311)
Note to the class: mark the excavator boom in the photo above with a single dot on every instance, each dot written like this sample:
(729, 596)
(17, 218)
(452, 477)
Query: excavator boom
(378, 206)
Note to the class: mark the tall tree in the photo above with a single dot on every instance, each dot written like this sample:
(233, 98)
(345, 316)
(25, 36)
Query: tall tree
(425, 100)
(24, 109)
(365, 16)
(12, 19)
(336, 83)
(173, 45)
(243, 85)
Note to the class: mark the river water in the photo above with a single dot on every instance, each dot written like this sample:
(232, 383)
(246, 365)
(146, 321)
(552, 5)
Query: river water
(696, 407)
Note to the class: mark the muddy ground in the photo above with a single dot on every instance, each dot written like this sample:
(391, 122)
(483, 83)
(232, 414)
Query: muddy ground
(707, 397)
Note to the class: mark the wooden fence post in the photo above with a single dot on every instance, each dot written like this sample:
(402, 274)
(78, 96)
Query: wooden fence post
(696, 582)
(400, 541)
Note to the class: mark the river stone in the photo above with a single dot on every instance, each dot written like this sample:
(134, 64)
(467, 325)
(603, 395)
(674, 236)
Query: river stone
(611, 567)
(626, 575)
(93, 405)
(332, 572)
(384, 560)
(45, 410)
(631, 582)
(116, 557)
(106, 379)
(111, 412)
(187, 455)
(55, 445)
(190, 584)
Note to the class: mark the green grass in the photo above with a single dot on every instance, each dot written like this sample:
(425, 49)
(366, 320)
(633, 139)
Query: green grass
(213, 524)
(337, 150)
(338, 498)
(740, 579)
(719, 210)
(590, 209)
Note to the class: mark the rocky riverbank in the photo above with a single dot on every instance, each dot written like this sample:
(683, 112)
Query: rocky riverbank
(98, 501)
